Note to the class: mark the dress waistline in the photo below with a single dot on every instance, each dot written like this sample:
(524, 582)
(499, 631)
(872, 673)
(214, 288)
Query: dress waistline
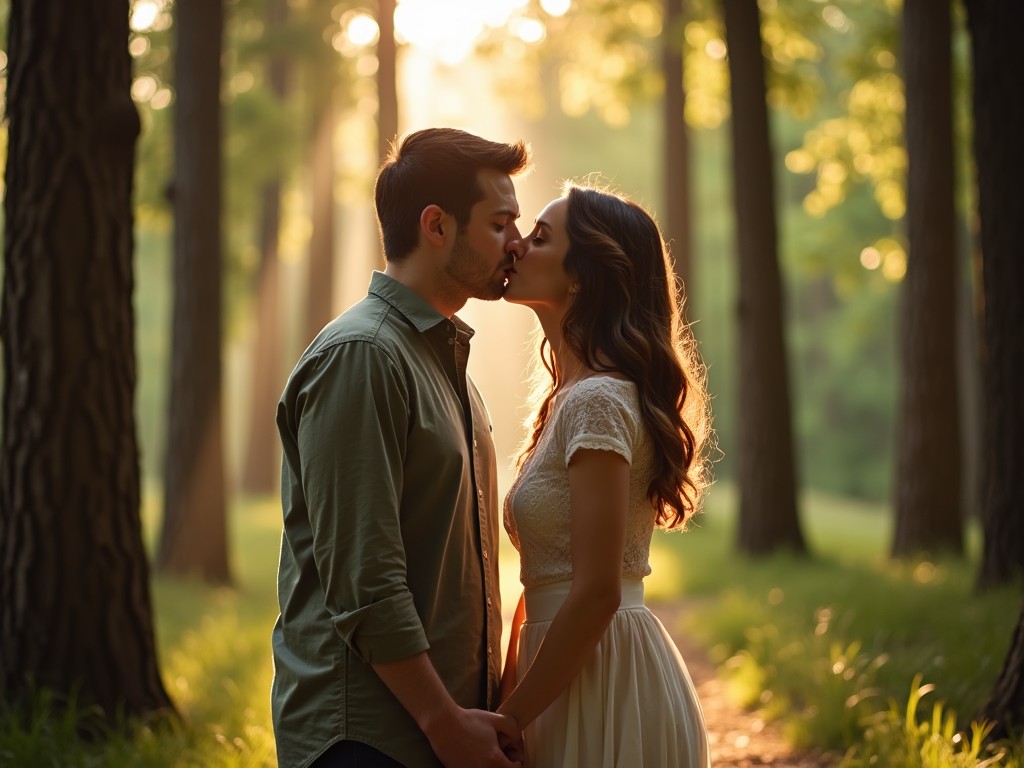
(543, 602)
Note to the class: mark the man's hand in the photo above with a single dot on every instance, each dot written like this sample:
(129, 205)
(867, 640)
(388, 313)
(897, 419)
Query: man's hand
(473, 738)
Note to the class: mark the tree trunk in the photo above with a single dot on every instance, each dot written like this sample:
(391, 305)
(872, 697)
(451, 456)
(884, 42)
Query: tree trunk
(75, 611)
(998, 58)
(927, 489)
(1005, 707)
(767, 468)
(320, 283)
(387, 78)
(968, 331)
(261, 469)
(677, 152)
(194, 535)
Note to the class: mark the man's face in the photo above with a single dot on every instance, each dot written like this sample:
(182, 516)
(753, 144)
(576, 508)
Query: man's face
(481, 257)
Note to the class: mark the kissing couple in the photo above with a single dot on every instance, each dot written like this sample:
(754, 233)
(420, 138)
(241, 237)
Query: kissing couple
(387, 650)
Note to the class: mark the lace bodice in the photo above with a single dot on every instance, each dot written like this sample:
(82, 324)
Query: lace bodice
(603, 413)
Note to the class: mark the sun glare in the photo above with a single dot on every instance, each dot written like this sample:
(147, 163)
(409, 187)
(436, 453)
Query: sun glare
(362, 30)
(870, 258)
(555, 7)
(144, 13)
(359, 30)
(450, 29)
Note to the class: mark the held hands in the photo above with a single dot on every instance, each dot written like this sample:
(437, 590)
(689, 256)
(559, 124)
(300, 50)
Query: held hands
(473, 738)
(511, 741)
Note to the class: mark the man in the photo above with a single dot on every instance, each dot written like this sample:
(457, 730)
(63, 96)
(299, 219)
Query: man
(387, 648)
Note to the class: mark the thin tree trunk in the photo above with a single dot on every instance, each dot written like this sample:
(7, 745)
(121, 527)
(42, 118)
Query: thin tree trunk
(387, 78)
(75, 610)
(969, 309)
(260, 468)
(320, 283)
(194, 535)
(677, 152)
(998, 58)
(767, 467)
(928, 493)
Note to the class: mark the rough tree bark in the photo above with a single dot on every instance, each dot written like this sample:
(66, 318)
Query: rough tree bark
(75, 610)
(260, 467)
(767, 466)
(194, 534)
(927, 487)
(998, 58)
(1005, 707)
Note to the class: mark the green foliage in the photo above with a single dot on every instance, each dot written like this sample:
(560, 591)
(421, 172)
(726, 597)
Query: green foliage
(792, 79)
(819, 644)
(609, 62)
(903, 739)
(822, 643)
(778, 674)
(264, 137)
(214, 645)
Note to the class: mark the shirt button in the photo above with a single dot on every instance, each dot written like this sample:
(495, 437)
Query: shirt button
(480, 494)
(485, 554)
(451, 342)
(474, 442)
(488, 601)
(490, 651)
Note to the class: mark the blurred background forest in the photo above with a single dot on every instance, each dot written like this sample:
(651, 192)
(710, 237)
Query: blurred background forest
(583, 84)
(884, 556)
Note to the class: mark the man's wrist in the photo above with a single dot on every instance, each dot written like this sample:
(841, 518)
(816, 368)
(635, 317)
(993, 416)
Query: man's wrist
(438, 719)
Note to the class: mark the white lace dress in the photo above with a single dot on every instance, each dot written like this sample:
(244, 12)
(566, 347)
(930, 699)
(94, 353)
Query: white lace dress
(633, 705)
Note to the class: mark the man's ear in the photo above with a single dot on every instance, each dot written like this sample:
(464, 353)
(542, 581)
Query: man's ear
(433, 220)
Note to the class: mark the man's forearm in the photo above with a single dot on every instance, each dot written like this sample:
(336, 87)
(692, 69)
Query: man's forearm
(417, 686)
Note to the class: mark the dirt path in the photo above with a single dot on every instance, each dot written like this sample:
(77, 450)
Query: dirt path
(739, 739)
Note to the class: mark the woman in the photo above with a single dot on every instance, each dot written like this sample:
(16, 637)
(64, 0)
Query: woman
(617, 447)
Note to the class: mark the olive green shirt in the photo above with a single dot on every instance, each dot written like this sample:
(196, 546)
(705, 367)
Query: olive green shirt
(389, 549)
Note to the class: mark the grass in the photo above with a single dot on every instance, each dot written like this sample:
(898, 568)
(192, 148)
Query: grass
(829, 645)
(826, 643)
(214, 649)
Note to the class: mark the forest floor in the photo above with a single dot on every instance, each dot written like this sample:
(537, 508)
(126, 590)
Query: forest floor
(738, 738)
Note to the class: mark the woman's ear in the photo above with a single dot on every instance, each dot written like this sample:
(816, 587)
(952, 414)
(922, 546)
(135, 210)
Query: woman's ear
(433, 220)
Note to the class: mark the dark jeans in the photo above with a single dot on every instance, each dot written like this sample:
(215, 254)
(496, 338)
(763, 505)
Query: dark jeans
(354, 754)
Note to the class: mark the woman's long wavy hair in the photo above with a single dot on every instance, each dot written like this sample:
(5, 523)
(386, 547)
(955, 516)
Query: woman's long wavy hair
(627, 318)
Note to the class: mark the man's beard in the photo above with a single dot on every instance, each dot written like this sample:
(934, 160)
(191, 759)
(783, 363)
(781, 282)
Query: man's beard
(460, 269)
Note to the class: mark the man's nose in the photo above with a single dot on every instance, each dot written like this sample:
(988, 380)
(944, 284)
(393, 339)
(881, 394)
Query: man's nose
(517, 248)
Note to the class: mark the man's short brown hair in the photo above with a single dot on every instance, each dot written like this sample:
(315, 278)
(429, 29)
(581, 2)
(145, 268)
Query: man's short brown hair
(436, 166)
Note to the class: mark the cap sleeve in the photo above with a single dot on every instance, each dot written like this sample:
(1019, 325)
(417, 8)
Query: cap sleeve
(600, 414)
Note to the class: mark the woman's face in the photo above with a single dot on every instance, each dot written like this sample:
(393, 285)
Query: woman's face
(539, 278)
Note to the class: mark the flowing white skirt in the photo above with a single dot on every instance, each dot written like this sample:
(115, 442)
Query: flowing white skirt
(633, 705)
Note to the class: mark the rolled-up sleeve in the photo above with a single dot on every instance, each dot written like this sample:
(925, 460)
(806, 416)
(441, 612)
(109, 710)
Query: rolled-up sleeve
(352, 436)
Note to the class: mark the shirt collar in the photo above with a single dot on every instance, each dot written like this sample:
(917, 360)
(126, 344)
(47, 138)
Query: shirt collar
(413, 307)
